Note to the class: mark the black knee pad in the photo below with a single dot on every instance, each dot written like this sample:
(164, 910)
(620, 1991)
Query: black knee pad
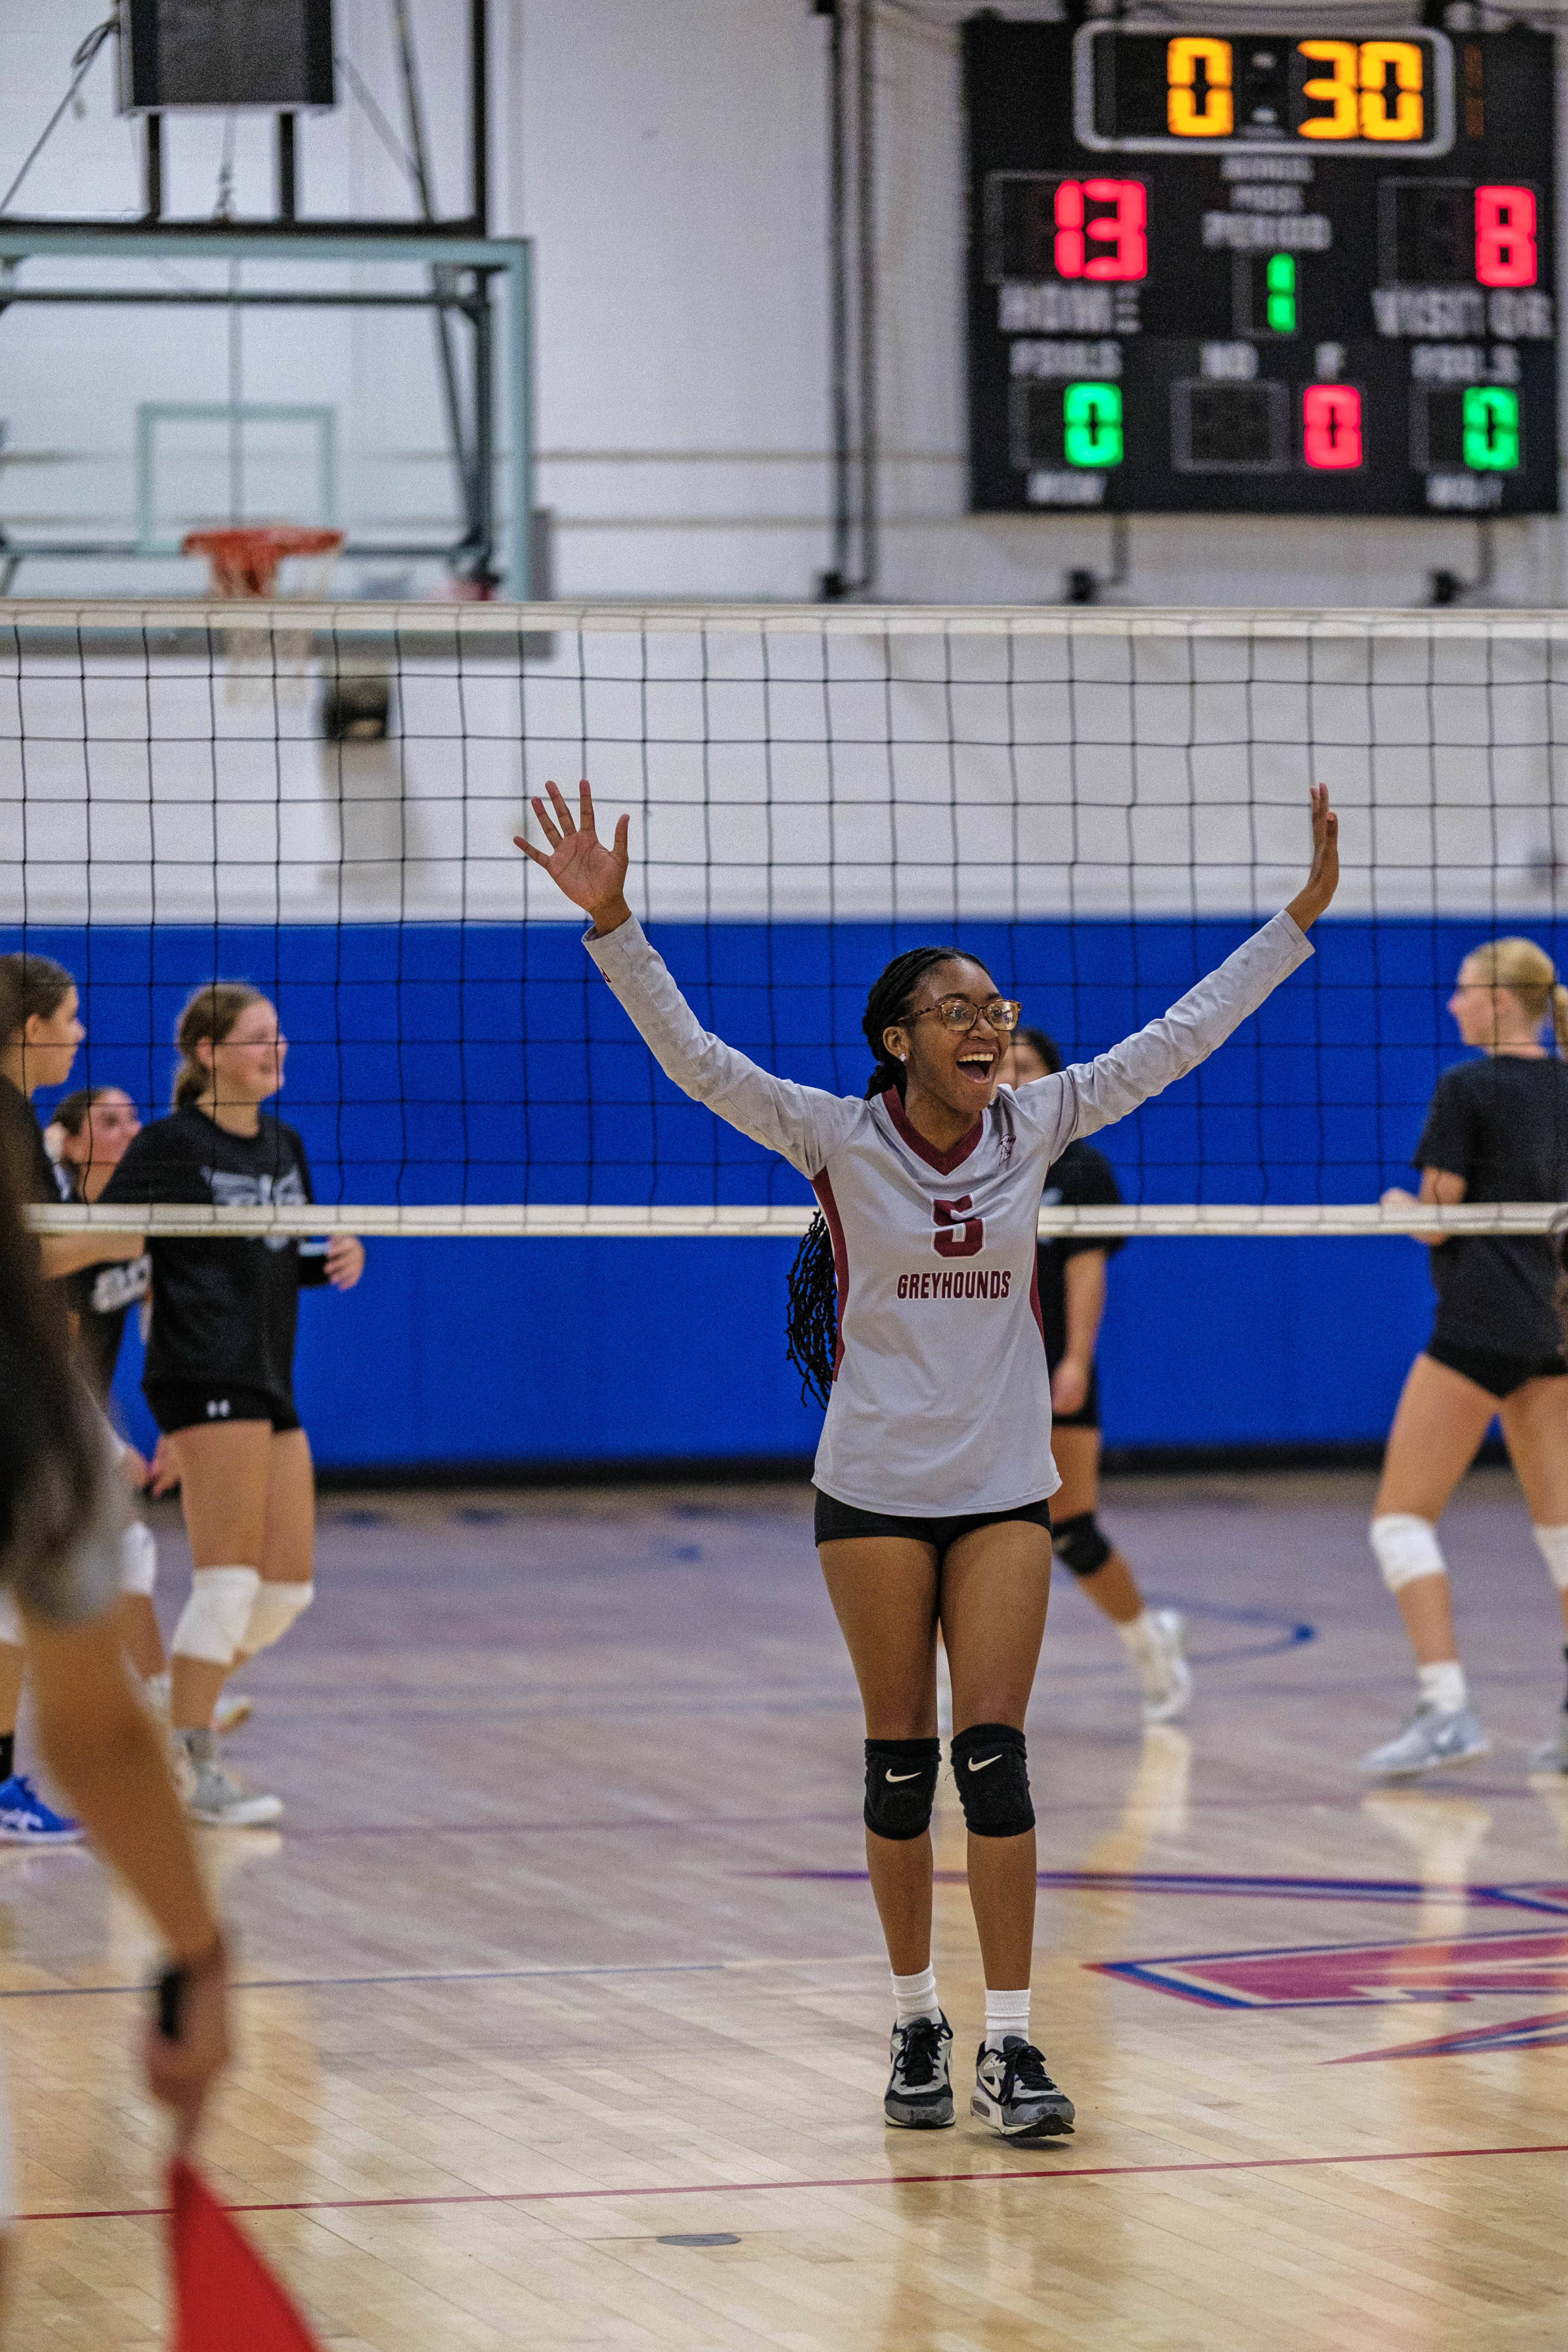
(1079, 1545)
(901, 1784)
(991, 1766)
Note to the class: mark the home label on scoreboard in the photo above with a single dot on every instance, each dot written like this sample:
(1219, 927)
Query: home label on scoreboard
(1300, 269)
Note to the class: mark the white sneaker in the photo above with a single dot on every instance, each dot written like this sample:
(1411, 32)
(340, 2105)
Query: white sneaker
(213, 1795)
(1433, 1740)
(1163, 1669)
(1014, 2094)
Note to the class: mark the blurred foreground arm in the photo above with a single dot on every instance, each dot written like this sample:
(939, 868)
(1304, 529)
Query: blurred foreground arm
(102, 1747)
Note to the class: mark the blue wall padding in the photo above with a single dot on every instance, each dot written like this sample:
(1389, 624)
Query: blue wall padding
(437, 1063)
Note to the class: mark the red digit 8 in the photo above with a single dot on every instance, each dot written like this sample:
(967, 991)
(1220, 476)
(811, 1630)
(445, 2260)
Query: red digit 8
(1505, 236)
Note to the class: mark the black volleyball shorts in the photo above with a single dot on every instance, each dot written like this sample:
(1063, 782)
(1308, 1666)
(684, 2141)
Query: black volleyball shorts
(182, 1405)
(1499, 1375)
(836, 1522)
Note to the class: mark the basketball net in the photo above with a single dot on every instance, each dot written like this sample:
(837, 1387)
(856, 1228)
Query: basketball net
(268, 666)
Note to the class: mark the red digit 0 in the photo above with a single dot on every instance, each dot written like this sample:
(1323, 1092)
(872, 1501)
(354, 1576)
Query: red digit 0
(1330, 425)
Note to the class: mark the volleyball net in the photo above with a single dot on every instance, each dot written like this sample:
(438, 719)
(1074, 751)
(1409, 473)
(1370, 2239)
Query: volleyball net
(1098, 803)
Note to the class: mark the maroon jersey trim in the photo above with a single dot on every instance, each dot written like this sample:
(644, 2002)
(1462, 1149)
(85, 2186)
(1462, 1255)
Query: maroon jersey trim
(1035, 1300)
(944, 1162)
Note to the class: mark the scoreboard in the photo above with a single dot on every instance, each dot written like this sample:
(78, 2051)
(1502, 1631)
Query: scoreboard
(1281, 271)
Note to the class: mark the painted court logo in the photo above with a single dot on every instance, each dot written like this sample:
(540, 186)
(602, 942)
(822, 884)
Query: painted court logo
(1509, 1963)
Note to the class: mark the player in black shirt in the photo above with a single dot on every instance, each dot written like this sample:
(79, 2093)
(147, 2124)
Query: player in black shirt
(1071, 1287)
(1497, 1131)
(88, 1134)
(219, 1368)
(39, 1034)
(89, 1131)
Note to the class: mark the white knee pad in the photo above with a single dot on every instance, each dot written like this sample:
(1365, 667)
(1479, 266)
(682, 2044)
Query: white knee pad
(1552, 1545)
(1406, 1549)
(137, 1559)
(11, 1622)
(272, 1613)
(213, 1620)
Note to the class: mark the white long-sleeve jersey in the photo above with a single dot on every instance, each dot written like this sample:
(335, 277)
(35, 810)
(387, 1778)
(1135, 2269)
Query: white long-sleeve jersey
(941, 1400)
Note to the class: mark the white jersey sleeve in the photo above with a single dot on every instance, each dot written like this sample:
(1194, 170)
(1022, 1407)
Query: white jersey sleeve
(1092, 1095)
(803, 1124)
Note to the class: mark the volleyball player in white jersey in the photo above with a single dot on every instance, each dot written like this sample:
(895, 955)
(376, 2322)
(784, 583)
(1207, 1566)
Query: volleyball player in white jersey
(934, 1472)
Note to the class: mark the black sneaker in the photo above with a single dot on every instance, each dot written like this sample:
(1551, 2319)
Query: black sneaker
(1014, 2094)
(919, 2088)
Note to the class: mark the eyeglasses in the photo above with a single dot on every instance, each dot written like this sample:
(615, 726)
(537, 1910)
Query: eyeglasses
(958, 1013)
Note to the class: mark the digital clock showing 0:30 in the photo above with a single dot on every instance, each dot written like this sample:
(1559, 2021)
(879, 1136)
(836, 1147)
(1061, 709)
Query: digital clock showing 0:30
(1142, 92)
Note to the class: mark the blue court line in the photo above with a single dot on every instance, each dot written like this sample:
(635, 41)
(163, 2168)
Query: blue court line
(1547, 1898)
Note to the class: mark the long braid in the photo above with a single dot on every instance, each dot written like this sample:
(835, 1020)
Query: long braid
(811, 1321)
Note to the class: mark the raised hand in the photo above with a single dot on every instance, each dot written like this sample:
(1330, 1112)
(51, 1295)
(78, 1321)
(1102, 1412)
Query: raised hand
(578, 863)
(1324, 878)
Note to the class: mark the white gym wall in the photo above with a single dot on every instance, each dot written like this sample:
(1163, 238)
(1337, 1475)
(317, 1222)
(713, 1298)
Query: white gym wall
(668, 157)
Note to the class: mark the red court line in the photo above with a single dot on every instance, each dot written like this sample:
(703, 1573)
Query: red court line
(859, 2181)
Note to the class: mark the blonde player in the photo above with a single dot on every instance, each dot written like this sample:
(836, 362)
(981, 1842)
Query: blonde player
(934, 1472)
(1497, 1130)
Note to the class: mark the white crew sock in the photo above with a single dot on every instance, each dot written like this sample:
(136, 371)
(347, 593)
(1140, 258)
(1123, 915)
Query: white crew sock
(1006, 2013)
(1443, 1687)
(916, 1996)
(1141, 1636)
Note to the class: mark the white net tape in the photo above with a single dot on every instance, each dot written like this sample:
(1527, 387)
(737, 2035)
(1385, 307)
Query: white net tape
(1044, 770)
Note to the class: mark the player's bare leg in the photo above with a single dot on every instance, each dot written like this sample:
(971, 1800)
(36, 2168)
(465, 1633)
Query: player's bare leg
(1535, 1431)
(995, 1588)
(1155, 1639)
(1438, 1425)
(225, 1478)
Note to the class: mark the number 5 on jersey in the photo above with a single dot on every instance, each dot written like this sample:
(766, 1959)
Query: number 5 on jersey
(956, 1235)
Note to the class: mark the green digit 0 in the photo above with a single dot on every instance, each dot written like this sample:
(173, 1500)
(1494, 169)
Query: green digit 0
(1491, 428)
(1280, 282)
(1091, 415)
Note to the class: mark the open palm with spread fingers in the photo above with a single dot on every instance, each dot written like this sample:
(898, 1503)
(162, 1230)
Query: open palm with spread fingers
(578, 863)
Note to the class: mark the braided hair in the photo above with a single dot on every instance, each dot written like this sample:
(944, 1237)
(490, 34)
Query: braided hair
(811, 1319)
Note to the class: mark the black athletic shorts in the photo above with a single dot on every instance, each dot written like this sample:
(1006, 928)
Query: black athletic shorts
(1499, 1375)
(1088, 1414)
(836, 1521)
(182, 1405)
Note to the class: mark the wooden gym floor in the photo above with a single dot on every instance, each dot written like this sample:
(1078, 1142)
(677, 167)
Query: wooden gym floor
(565, 2016)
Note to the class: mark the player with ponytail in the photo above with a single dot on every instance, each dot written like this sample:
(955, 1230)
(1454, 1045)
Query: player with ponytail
(219, 1375)
(1497, 1130)
(934, 1474)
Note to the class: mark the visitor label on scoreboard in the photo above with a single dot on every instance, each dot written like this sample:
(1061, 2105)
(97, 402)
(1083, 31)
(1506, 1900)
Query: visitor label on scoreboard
(1303, 269)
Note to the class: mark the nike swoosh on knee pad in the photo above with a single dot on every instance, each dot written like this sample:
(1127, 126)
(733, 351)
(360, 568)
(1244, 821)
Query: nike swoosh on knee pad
(978, 1764)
